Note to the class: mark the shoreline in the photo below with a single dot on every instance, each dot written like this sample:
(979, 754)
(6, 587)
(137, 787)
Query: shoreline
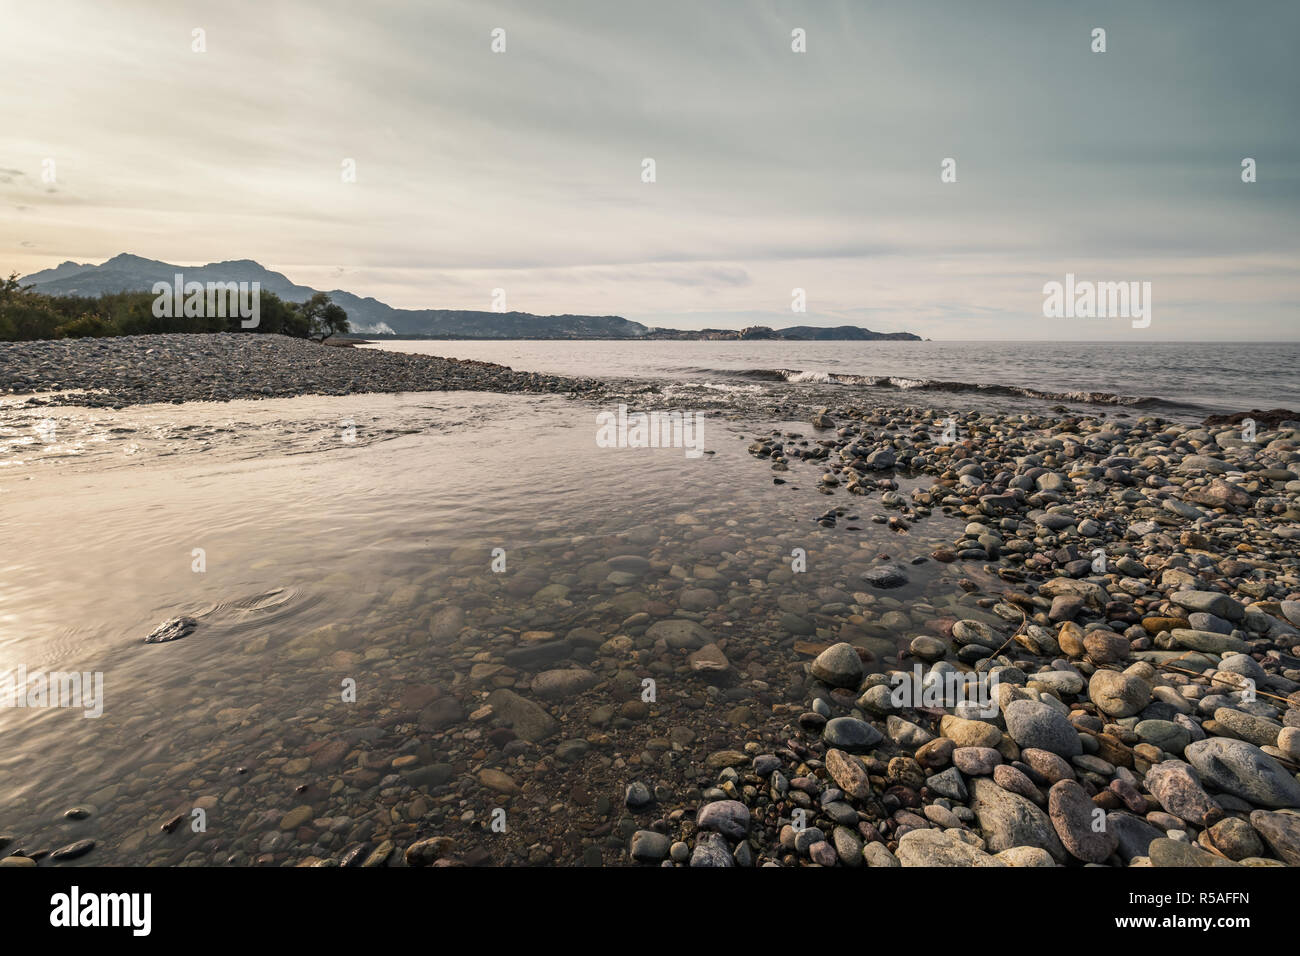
(174, 368)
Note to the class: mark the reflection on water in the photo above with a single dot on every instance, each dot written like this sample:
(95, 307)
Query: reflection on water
(367, 566)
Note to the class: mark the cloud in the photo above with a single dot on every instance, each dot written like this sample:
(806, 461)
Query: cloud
(774, 169)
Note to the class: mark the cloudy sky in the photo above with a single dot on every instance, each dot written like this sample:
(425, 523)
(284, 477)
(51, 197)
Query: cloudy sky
(775, 170)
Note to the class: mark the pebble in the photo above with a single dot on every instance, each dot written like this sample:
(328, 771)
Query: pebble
(851, 734)
(1242, 769)
(728, 817)
(1080, 823)
(839, 665)
(1031, 723)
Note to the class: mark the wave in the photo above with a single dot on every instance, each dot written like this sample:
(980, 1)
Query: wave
(798, 376)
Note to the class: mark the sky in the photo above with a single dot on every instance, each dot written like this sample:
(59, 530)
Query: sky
(774, 170)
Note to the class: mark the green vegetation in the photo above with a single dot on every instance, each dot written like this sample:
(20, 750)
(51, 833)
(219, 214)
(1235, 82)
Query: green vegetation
(26, 315)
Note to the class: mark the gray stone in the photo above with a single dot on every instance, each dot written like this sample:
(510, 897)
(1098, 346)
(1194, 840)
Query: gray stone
(839, 665)
(948, 784)
(1164, 734)
(528, 719)
(567, 682)
(647, 846)
(1242, 769)
(728, 817)
(1118, 694)
(711, 850)
(848, 846)
(851, 734)
(1133, 834)
(1208, 642)
(976, 761)
(886, 576)
(940, 848)
(1209, 602)
(1256, 730)
(1032, 723)
(679, 634)
(1008, 819)
(907, 734)
(1281, 831)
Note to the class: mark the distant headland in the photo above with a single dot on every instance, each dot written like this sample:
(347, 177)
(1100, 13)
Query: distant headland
(370, 318)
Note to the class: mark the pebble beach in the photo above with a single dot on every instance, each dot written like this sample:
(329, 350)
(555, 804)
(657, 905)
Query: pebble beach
(712, 678)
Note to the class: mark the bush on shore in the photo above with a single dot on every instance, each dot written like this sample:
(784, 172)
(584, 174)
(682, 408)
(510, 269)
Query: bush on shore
(26, 315)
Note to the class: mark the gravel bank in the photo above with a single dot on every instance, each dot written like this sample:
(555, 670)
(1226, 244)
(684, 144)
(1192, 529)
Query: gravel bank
(144, 369)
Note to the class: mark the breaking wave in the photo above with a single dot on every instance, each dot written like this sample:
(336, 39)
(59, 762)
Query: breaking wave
(798, 376)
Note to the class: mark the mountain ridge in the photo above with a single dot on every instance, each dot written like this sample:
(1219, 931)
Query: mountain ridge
(126, 272)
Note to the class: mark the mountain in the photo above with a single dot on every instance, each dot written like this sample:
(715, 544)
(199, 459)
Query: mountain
(128, 273)
(368, 316)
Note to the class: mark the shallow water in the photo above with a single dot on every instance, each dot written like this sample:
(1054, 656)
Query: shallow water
(330, 555)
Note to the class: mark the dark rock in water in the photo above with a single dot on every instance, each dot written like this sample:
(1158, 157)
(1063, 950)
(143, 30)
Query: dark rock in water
(563, 683)
(851, 734)
(638, 795)
(534, 655)
(886, 576)
(426, 851)
(440, 714)
(526, 718)
(839, 665)
(1263, 419)
(172, 630)
(355, 855)
(881, 459)
(73, 850)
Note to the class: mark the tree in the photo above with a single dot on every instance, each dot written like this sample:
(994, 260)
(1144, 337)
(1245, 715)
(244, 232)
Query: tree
(324, 318)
